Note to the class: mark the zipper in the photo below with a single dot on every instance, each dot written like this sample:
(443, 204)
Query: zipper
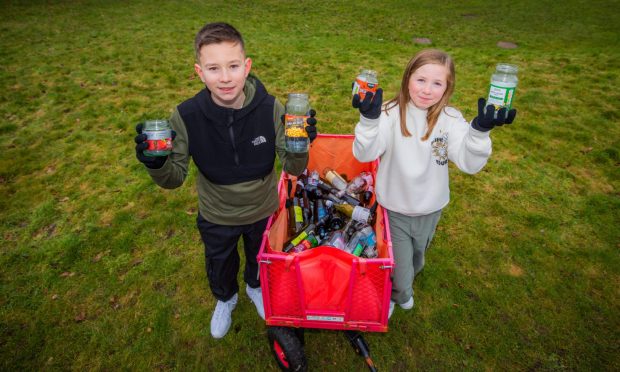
(231, 134)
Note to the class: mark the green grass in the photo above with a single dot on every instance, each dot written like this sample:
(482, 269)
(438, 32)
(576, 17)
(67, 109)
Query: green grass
(103, 270)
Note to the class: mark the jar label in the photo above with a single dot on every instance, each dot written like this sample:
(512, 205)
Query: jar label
(294, 126)
(361, 87)
(501, 96)
(159, 140)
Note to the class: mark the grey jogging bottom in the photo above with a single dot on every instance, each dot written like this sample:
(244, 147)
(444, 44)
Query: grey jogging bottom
(411, 237)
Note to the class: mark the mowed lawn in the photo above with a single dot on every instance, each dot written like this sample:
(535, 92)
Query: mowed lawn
(102, 270)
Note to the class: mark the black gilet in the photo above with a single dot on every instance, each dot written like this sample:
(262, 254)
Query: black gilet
(231, 145)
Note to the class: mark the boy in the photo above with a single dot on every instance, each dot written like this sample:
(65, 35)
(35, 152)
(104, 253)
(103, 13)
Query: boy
(232, 131)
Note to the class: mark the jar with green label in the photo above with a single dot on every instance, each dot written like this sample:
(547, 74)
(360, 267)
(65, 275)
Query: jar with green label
(503, 86)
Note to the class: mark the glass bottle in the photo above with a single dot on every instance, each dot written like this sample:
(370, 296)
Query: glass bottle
(295, 135)
(158, 137)
(334, 179)
(503, 85)
(366, 81)
(356, 213)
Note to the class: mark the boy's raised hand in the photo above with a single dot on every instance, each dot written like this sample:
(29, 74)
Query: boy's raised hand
(486, 120)
(369, 108)
(152, 162)
(310, 128)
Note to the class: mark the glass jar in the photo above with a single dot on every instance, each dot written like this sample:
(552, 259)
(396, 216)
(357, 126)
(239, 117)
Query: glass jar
(297, 110)
(158, 137)
(366, 81)
(503, 86)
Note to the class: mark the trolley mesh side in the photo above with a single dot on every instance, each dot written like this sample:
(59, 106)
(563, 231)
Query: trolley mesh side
(283, 289)
(367, 294)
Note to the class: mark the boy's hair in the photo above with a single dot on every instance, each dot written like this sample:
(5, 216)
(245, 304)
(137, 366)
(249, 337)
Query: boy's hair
(218, 32)
(424, 57)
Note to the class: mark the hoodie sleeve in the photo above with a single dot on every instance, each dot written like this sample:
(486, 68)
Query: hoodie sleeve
(469, 149)
(370, 138)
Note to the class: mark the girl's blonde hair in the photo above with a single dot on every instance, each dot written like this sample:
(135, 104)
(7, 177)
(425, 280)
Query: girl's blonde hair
(423, 57)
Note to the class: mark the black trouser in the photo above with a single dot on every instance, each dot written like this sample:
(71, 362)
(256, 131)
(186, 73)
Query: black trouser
(222, 258)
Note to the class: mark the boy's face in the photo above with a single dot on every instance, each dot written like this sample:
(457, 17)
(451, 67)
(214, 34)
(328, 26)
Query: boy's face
(223, 68)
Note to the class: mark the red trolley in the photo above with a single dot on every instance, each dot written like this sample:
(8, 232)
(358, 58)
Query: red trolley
(323, 287)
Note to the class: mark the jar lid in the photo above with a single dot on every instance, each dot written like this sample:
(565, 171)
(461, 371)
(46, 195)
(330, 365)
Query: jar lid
(507, 68)
(369, 72)
(156, 124)
(298, 95)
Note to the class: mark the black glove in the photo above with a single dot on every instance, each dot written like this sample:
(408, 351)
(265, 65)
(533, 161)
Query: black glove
(152, 162)
(486, 120)
(370, 108)
(310, 128)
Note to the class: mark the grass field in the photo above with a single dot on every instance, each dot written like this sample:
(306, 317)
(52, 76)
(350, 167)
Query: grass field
(103, 270)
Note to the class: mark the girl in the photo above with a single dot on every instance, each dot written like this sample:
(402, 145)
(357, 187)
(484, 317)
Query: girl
(415, 135)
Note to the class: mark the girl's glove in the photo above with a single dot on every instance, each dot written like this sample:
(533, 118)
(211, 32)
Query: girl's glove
(369, 108)
(152, 162)
(486, 120)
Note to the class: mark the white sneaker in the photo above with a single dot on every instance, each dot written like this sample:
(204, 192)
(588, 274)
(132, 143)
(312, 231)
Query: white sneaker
(392, 303)
(256, 295)
(221, 319)
(407, 305)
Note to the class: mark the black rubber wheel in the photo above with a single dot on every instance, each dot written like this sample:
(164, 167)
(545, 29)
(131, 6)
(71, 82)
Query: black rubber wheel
(299, 332)
(287, 349)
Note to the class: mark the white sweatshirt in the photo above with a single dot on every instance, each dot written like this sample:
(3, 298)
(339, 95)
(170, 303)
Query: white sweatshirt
(412, 178)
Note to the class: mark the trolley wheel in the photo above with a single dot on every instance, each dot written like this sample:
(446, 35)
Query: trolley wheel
(287, 349)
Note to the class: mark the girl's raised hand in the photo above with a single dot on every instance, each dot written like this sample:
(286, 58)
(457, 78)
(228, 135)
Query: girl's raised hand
(370, 107)
(486, 119)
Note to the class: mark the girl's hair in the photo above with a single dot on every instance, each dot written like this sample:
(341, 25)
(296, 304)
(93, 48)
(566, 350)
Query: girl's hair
(423, 57)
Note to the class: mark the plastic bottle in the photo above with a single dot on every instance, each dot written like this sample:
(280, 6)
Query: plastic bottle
(336, 239)
(158, 137)
(295, 135)
(368, 236)
(366, 81)
(298, 214)
(503, 85)
(309, 242)
(360, 183)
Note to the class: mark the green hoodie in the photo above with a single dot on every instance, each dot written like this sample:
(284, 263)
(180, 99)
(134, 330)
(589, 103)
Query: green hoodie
(237, 204)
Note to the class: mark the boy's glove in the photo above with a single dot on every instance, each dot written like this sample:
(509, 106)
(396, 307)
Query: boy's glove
(370, 108)
(485, 121)
(152, 162)
(310, 128)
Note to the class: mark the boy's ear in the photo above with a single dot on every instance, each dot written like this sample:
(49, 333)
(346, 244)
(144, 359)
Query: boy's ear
(248, 66)
(199, 72)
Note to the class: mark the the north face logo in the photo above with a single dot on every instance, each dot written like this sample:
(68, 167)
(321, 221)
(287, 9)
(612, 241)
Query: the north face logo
(258, 140)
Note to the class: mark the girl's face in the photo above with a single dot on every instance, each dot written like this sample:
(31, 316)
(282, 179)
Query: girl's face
(428, 84)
